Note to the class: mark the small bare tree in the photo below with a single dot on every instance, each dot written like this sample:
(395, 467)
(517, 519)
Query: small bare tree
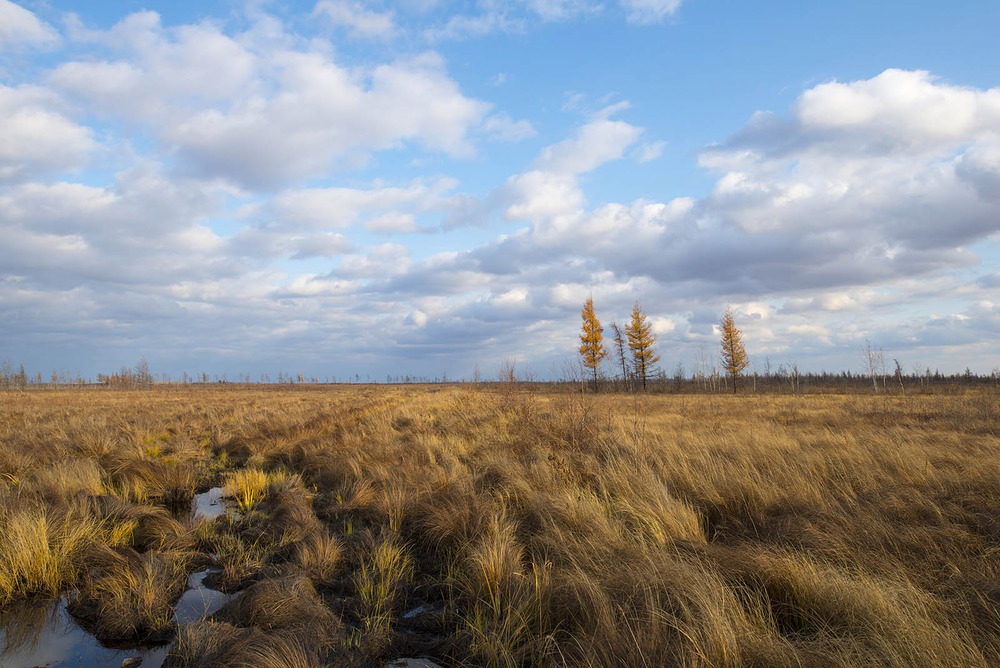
(874, 359)
(620, 349)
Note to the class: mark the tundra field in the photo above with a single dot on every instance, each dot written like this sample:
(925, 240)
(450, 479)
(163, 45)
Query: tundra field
(512, 525)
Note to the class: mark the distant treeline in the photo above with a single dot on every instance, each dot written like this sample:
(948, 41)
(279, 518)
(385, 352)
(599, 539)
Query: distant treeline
(783, 379)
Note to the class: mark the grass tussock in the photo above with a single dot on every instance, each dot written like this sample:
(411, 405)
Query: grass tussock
(379, 583)
(247, 487)
(131, 600)
(320, 555)
(516, 525)
(41, 551)
(222, 645)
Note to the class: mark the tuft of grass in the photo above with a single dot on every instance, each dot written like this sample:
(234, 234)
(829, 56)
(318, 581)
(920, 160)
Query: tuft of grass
(175, 484)
(242, 558)
(385, 568)
(132, 599)
(221, 645)
(41, 552)
(288, 604)
(320, 555)
(66, 479)
(248, 487)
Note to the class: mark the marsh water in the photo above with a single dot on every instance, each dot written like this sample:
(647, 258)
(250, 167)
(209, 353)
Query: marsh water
(43, 633)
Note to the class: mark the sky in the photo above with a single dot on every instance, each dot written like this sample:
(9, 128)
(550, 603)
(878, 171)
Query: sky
(351, 189)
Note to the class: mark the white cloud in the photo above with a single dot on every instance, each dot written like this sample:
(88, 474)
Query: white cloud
(979, 166)
(393, 222)
(898, 110)
(381, 261)
(361, 21)
(326, 208)
(164, 74)
(649, 11)
(261, 112)
(520, 15)
(596, 143)
(66, 234)
(322, 114)
(324, 244)
(885, 165)
(36, 136)
(461, 27)
(502, 127)
(21, 28)
(649, 151)
(561, 10)
(541, 195)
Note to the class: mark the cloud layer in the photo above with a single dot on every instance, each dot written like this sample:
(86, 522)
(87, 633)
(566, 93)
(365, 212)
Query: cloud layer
(202, 194)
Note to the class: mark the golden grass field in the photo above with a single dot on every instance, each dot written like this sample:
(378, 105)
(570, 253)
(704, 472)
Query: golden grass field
(530, 526)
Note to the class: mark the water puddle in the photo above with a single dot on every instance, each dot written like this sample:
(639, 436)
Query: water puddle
(425, 609)
(198, 601)
(208, 505)
(43, 633)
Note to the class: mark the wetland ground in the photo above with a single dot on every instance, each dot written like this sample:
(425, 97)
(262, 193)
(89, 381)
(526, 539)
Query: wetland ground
(503, 525)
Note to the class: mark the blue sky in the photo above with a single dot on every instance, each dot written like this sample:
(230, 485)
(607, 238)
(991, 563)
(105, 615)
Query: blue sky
(343, 187)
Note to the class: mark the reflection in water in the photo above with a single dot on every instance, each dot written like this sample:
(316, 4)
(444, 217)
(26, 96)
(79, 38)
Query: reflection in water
(198, 601)
(42, 633)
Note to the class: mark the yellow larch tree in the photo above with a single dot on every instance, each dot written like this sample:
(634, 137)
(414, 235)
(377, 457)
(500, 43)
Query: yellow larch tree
(592, 348)
(734, 353)
(640, 341)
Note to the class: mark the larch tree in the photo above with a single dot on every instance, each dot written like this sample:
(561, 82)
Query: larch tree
(640, 341)
(592, 348)
(734, 353)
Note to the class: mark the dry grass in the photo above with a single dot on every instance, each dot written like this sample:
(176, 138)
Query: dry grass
(131, 600)
(247, 487)
(40, 551)
(547, 528)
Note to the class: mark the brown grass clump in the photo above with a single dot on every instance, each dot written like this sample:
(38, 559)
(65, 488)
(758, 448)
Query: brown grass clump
(132, 599)
(222, 645)
(41, 552)
(379, 582)
(320, 556)
(289, 604)
(247, 487)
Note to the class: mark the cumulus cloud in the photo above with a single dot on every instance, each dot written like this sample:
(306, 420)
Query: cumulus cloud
(597, 142)
(20, 28)
(822, 222)
(326, 208)
(260, 112)
(323, 114)
(835, 216)
(67, 234)
(37, 136)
